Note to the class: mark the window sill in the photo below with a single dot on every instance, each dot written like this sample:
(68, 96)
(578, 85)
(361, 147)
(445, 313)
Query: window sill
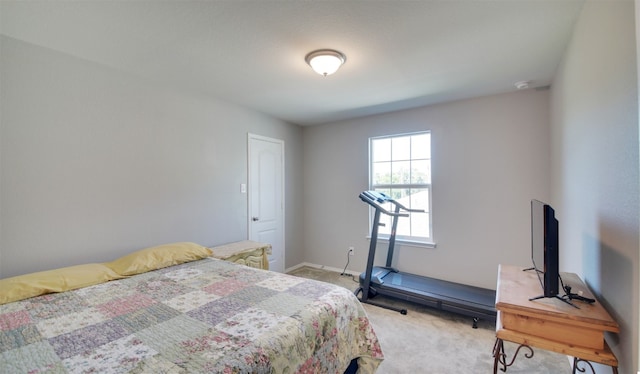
(407, 243)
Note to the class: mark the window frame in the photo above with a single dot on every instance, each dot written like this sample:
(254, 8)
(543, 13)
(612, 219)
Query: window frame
(403, 239)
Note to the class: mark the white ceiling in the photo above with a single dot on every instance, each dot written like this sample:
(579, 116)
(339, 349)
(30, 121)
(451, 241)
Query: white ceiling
(400, 54)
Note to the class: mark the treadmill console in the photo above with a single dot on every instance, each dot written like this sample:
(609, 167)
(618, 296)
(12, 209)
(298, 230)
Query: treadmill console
(379, 197)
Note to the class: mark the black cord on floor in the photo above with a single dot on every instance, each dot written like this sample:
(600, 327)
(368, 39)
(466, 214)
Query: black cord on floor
(344, 274)
(345, 267)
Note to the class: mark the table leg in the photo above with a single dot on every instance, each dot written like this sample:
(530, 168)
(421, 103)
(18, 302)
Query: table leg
(498, 351)
(577, 361)
(500, 357)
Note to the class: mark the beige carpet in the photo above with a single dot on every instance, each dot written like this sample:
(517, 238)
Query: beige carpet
(428, 340)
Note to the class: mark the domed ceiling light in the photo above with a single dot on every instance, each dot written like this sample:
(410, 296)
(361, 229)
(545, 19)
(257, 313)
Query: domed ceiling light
(325, 61)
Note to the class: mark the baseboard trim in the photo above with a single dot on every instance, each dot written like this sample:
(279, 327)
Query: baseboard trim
(322, 267)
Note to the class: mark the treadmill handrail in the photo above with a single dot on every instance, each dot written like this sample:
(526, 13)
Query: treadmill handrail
(374, 198)
(379, 207)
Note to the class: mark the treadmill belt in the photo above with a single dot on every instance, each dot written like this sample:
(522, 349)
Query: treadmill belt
(444, 289)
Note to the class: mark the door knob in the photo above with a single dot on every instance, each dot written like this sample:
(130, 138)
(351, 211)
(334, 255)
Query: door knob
(255, 219)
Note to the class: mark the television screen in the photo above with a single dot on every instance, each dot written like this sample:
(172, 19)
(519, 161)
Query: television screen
(544, 246)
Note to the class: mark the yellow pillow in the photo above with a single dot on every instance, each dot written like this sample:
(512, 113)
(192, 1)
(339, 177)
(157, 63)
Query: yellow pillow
(158, 257)
(58, 280)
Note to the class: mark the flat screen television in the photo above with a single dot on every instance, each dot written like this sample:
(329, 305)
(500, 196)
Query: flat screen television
(544, 247)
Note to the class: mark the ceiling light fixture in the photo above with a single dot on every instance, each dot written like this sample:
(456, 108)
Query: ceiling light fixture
(522, 85)
(325, 61)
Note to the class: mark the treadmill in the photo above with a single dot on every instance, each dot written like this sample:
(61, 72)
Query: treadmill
(476, 302)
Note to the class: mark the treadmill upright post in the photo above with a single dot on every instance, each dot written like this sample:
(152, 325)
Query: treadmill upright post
(372, 255)
(392, 237)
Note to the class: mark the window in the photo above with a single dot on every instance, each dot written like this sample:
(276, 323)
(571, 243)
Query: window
(400, 166)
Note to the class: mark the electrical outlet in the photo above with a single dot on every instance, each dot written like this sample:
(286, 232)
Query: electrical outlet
(351, 251)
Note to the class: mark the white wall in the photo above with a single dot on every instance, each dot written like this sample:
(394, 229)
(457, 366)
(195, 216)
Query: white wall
(95, 163)
(637, 21)
(490, 158)
(596, 164)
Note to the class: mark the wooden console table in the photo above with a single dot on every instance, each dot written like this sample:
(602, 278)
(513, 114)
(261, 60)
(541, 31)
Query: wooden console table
(246, 252)
(549, 323)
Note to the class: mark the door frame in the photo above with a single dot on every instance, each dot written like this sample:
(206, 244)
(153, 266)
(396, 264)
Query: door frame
(250, 137)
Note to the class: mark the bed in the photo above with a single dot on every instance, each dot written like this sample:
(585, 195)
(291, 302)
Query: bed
(200, 315)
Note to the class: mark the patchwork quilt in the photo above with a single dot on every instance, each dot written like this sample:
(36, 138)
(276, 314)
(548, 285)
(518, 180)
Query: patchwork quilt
(206, 316)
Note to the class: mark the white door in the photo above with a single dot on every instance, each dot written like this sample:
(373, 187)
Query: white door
(266, 196)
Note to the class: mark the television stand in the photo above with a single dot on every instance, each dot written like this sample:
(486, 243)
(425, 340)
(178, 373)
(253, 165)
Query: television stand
(557, 297)
(549, 324)
(538, 272)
